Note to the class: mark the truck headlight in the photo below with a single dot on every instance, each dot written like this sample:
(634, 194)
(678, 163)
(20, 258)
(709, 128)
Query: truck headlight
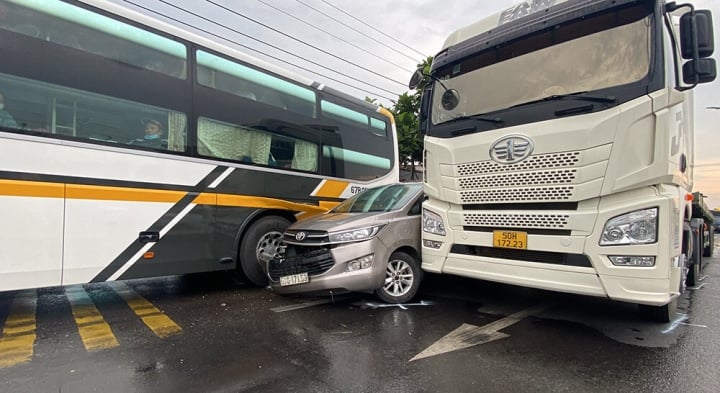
(638, 227)
(432, 223)
(354, 235)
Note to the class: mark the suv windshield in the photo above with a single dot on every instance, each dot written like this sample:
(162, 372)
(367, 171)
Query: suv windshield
(380, 199)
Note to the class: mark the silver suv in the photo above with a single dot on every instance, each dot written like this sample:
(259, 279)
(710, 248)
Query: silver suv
(368, 243)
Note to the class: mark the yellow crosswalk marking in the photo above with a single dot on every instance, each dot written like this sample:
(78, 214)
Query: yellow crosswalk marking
(155, 319)
(94, 331)
(18, 336)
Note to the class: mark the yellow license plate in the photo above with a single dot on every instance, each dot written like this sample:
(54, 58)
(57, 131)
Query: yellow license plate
(510, 239)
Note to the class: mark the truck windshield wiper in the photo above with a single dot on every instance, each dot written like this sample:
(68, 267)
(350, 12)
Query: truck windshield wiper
(574, 96)
(495, 120)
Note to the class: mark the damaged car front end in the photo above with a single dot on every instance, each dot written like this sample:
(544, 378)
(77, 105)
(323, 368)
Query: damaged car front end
(368, 243)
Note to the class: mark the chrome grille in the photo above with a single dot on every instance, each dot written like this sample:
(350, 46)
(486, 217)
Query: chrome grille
(545, 161)
(520, 179)
(512, 220)
(532, 194)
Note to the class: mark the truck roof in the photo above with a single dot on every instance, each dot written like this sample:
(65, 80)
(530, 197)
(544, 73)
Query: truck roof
(513, 13)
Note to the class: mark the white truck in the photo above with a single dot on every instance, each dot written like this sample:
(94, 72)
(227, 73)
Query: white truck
(559, 148)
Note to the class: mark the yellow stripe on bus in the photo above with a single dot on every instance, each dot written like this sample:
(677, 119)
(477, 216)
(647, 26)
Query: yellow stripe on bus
(155, 319)
(77, 191)
(265, 203)
(94, 331)
(18, 336)
(332, 189)
(387, 113)
(32, 188)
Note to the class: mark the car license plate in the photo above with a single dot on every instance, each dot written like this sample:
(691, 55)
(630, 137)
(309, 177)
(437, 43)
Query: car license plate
(294, 279)
(510, 239)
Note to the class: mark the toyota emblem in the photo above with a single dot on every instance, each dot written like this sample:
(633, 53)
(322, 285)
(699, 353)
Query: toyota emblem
(300, 236)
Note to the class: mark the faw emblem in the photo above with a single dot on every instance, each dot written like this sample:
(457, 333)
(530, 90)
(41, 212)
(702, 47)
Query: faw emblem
(511, 149)
(300, 236)
(524, 9)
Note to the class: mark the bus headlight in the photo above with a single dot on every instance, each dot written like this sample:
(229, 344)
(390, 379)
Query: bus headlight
(432, 223)
(638, 227)
(354, 235)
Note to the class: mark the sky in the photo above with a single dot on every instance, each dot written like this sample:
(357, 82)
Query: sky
(371, 49)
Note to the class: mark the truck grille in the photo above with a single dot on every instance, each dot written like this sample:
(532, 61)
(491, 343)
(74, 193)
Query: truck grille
(506, 220)
(520, 179)
(538, 194)
(545, 161)
(311, 260)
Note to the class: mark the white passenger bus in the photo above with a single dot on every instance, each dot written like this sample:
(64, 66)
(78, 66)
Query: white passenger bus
(130, 148)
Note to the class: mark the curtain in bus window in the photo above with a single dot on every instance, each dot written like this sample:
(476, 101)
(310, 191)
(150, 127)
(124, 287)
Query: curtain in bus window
(233, 142)
(305, 156)
(176, 131)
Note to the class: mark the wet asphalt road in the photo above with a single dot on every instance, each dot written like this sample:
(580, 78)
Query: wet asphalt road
(211, 333)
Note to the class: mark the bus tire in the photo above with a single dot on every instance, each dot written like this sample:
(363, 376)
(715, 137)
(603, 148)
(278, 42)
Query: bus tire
(261, 242)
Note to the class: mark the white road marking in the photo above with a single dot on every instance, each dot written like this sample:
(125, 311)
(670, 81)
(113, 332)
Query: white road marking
(696, 287)
(403, 306)
(468, 335)
(300, 305)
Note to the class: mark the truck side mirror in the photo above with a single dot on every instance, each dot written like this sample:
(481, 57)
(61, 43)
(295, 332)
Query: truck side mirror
(417, 78)
(696, 44)
(700, 71)
(424, 115)
(696, 26)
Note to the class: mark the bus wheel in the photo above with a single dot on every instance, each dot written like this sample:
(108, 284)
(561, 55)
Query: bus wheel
(261, 243)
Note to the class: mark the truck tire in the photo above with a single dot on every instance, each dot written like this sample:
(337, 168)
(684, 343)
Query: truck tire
(260, 243)
(708, 252)
(695, 267)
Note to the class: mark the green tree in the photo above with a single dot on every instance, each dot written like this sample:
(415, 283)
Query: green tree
(406, 110)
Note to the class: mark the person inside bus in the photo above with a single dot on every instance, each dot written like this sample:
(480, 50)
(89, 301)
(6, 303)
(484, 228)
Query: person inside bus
(6, 119)
(152, 137)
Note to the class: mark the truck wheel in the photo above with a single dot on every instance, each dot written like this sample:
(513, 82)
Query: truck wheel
(708, 252)
(402, 279)
(696, 259)
(261, 243)
(663, 314)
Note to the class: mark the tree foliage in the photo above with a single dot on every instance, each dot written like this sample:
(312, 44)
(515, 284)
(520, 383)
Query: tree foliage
(406, 110)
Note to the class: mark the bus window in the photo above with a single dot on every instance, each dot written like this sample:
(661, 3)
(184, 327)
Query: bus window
(60, 111)
(241, 80)
(65, 24)
(255, 146)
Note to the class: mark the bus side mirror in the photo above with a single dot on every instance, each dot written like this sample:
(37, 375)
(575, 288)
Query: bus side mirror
(696, 44)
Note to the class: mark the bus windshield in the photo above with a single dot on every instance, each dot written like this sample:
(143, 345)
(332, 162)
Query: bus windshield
(538, 66)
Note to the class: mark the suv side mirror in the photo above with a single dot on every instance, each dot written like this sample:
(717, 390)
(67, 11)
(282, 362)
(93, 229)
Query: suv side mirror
(696, 44)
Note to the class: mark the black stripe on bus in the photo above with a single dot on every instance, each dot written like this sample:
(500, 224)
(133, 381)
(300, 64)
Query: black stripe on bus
(133, 248)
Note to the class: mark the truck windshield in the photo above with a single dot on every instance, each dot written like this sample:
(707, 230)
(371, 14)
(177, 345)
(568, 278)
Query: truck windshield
(538, 66)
